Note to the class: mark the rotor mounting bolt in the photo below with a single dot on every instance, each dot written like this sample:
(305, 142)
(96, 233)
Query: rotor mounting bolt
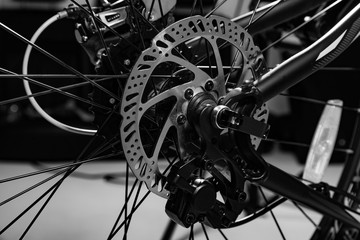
(237, 121)
(209, 85)
(221, 100)
(112, 100)
(181, 119)
(127, 62)
(189, 93)
(241, 196)
(209, 165)
(84, 38)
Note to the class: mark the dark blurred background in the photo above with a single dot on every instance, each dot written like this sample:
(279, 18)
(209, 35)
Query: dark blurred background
(23, 133)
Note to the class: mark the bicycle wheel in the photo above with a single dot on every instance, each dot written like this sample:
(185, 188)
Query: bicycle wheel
(154, 69)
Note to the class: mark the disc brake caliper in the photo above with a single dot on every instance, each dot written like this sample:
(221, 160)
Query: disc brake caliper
(223, 168)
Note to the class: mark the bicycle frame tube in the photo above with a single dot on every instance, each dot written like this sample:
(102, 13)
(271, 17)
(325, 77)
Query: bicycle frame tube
(283, 12)
(311, 59)
(290, 187)
(286, 75)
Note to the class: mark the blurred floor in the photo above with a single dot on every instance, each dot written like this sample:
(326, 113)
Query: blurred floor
(86, 209)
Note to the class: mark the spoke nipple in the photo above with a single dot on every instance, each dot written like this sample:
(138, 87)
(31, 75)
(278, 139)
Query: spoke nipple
(190, 218)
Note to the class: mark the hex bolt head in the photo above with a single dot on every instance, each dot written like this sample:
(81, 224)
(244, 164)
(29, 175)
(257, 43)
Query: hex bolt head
(221, 100)
(181, 119)
(209, 85)
(127, 62)
(84, 38)
(242, 196)
(189, 93)
(112, 101)
(209, 165)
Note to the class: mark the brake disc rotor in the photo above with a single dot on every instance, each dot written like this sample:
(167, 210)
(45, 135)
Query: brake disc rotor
(163, 80)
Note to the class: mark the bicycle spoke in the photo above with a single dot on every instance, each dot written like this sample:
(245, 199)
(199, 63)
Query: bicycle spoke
(32, 187)
(138, 24)
(130, 214)
(97, 134)
(52, 193)
(205, 232)
(191, 232)
(98, 77)
(193, 8)
(110, 177)
(126, 202)
(201, 8)
(272, 215)
(151, 9)
(162, 13)
(222, 234)
(317, 15)
(273, 6)
(61, 63)
(51, 169)
(52, 189)
(158, 128)
(112, 232)
(67, 172)
(39, 212)
(102, 40)
(132, 210)
(106, 26)
(253, 14)
(305, 214)
(51, 90)
(127, 216)
(70, 168)
(138, 14)
(27, 209)
(317, 101)
(215, 8)
(235, 58)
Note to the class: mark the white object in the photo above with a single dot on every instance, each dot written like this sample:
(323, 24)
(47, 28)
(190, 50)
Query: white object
(323, 142)
(158, 9)
(34, 103)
